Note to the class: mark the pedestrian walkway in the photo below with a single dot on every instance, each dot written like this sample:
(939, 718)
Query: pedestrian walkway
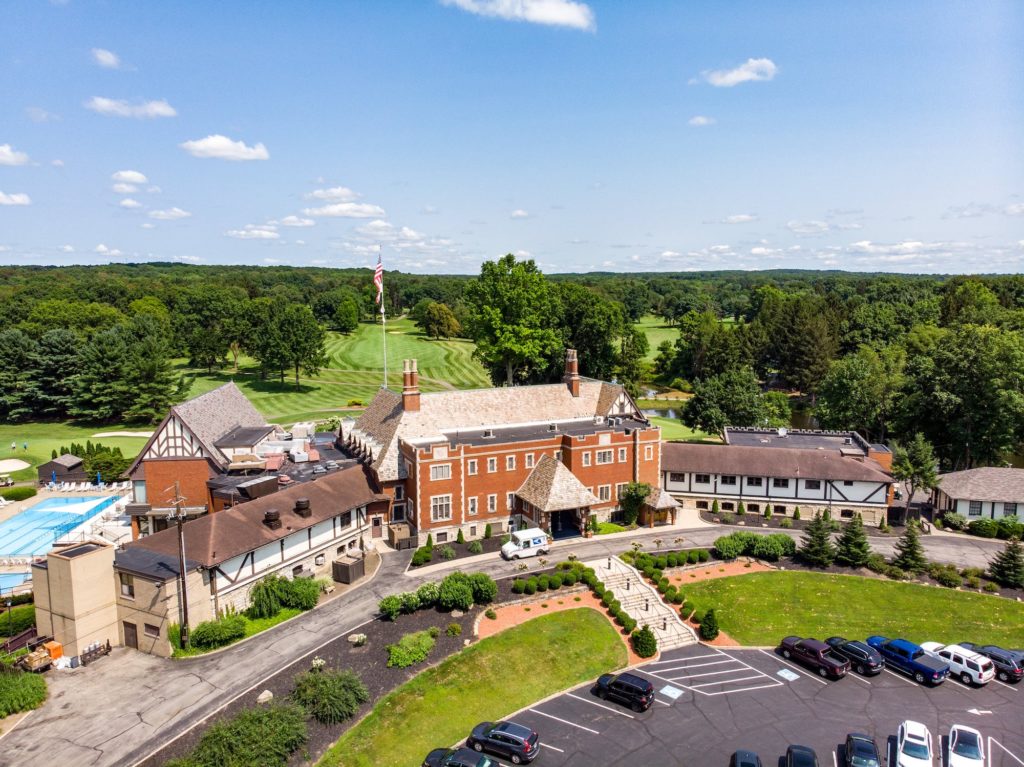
(643, 603)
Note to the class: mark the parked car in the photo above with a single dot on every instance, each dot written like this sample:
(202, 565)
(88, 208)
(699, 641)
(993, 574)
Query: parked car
(816, 655)
(457, 757)
(1009, 663)
(965, 747)
(628, 689)
(515, 742)
(801, 756)
(745, 759)
(864, 659)
(331, 465)
(319, 469)
(860, 751)
(910, 659)
(913, 745)
(971, 667)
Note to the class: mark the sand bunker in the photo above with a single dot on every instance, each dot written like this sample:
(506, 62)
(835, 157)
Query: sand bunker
(146, 434)
(12, 464)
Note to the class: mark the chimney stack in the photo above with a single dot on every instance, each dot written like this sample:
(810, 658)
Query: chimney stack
(410, 387)
(572, 373)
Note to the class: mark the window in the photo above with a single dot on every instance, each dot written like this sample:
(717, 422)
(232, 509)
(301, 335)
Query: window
(620, 489)
(1009, 509)
(472, 531)
(440, 508)
(150, 630)
(557, 455)
(529, 460)
(139, 491)
(127, 585)
(345, 520)
(472, 505)
(754, 508)
(297, 571)
(510, 501)
(848, 482)
(441, 471)
(780, 482)
(728, 479)
(623, 454)
(492, 503)
(492, 465)
(586, 458)
(727, 506)
(974, 510)
(510, 463)
(399, 492)
(648, 453)
(604, 492)
(702, 505)
(846, 513)
(471, 466)
(352, 544)
(754, 482)
(778, 509)
(605, 456)
(812, 484)
(702, 479)
(442, 537)
(674, 476)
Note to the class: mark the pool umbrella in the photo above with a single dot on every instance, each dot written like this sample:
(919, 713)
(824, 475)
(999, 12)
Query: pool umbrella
(98, 480)
(53, 477)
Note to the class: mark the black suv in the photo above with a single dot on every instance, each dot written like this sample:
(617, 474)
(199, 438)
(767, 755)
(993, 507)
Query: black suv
(860, 751)
(864, 659)
(744, 758)
(801, 756)
(1009, 663)
(456, 757)
(628, 689)
(518, 744)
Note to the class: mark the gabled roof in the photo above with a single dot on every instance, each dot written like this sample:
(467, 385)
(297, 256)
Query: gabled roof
(988, 483)
(660, 500)
(778, 462)
(384, 422)
(243, 436)
(68, 461)
(552, 487)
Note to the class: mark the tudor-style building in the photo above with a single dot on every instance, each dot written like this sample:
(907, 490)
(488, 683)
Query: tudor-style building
(462, 460)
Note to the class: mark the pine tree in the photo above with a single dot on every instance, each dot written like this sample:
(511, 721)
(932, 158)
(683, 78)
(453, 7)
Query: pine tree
(709, 626)
(909, 552)
(816, 547)
(853, 548)
(1007, 569)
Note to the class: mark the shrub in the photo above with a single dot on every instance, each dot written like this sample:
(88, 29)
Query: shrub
(329, 696)
(1008, 527)
(948, 576)
(475, 547)
(693, 556)
(607, 597)
(715, 507)
(217, 633)
(786, 523)
(977, 572)
(447, 553)
(267, 596)
(491, 614)
(629, 625)
(672, 560)
(703, 555)
(19, 619)
(434, 632)
(895, 573)
(772, 548)
(678, 598)
(698, 616)
(422, 556)
(410, 602)
(390, 606)
(729, 546)
(876, 563)
(656, 575)
(796, 513)
(542, 583)
(645, 644)
(741, 509)
(460, 538)
(973, 582)
(661, 562)
(531, 587)
(17, 493)
(954, 521)
(485, 590)
(487, 530)
(662, 586)
(518, 586)
(991, 587)
(670, 592)
(453, 630)
(983, 528)
(709, 626)
(428, 594)
(768, 513)
(410, 649)
(685, 610)
(456, 592)
(20, 691)
(430, 541)
(568, 578)
(265, 736)
(300, 593)
(555, 581)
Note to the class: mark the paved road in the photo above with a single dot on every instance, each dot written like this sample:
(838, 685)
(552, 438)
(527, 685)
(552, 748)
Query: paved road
(124, 707)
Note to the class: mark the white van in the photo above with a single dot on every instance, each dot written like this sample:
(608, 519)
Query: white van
(970, 667)
(526, 543)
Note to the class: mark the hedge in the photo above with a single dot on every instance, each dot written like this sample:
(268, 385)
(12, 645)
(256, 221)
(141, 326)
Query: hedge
(17, 493)
(20, 618)
(220, 632)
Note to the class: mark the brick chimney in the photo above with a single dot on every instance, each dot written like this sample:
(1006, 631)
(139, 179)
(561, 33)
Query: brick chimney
(410, 387)
(572, 372)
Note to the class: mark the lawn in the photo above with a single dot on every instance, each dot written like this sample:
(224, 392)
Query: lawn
(673, 429)
(253, 626)
(486, 681)
(43, 438)
(761, 608)
(656, 330)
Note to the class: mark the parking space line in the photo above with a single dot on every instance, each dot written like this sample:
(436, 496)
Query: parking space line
(900, 677)
(852, 675)
(742, 689)
(564, 721)
(714, 673)
(681, 660)
(730, 681)
(795, 668)
(1009, 753)
(1004, 684)
(658, 700)
(835, 762)
(553, 748)
(696, 665)
(600, 705)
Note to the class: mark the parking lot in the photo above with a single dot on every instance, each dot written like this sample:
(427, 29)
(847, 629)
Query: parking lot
(711, 702)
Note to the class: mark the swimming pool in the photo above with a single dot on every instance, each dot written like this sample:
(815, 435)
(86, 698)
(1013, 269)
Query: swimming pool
(9, 580)
(33, 531)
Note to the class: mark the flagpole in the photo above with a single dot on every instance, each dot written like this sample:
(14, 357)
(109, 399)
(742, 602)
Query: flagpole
(383, 321)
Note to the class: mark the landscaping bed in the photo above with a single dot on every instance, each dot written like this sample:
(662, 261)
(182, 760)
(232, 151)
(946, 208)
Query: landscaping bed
(754, 522)
(460, 550)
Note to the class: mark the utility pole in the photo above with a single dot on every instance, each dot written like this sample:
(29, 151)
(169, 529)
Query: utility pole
(179, 517)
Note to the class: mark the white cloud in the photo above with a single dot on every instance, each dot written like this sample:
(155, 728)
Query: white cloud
(148, 225)
(429, 210)
(122, 188)
(119, 108)
(67, 249)
(254, 232)
(519, 213)
(40, 115)
(347, 210)
(103, 250)
(106, 59)
(752, 70)
(129, 203)
(670, 254)
(171, 214)
(296, 221)
(154, 190)
(334, 194)
(558, 13)
(57, 163)
(188, 259)
(1017, 209)
(222, 148)
(10, 156)
(129, 177)
(15, 198)
(808, 228)
(700, 121)
(272, 260)
(739, 218)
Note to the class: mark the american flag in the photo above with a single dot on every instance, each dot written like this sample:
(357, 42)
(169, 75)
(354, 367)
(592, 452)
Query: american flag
(378, 280)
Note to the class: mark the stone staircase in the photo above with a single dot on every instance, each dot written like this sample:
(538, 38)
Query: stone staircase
(643, 603)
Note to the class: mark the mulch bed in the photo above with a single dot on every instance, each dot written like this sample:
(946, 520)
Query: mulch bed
(756, 522)
(491, 545)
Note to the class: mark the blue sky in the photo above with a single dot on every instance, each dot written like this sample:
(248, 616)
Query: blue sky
(622, 136)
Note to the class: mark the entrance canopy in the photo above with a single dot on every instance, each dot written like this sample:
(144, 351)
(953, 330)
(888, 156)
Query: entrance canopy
(552, 487)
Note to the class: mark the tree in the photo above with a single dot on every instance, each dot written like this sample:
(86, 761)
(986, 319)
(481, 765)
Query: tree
(632, 499)
(816, 547)
(1007, 569)
(631, 368)
(590, 324)
(346, 314)
(731, 399)
(909, 552)
(102, 390)
(808, 346)
(148, 372)
(511, 320)
(709, 626)
(861, 391)
(439, 322)
(852, 548)
(915, 464)
(301, 339)
(18, 358)
(645, 644)
(56, 364)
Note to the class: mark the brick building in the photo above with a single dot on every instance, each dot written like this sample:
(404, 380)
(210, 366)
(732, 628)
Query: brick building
(456, 460)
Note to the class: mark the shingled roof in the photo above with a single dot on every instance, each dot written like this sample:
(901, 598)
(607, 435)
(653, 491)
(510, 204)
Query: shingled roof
(988, 483)
(384, 422)
(778, 462)
(552, 487)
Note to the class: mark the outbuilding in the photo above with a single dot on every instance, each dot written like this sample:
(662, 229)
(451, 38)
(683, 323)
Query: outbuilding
(63, 468)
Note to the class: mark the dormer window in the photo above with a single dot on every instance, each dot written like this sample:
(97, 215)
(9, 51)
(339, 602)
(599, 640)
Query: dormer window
(488, 433)
(552, 427)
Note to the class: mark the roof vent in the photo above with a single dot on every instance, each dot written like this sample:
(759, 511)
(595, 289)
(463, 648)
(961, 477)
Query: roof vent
(488, 433)
(272, 519)
(552, 427)
(847, 441)
(302, 508)
(782, 431)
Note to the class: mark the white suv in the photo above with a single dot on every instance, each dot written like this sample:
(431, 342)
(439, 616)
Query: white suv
(913, 745)
(969, 666)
